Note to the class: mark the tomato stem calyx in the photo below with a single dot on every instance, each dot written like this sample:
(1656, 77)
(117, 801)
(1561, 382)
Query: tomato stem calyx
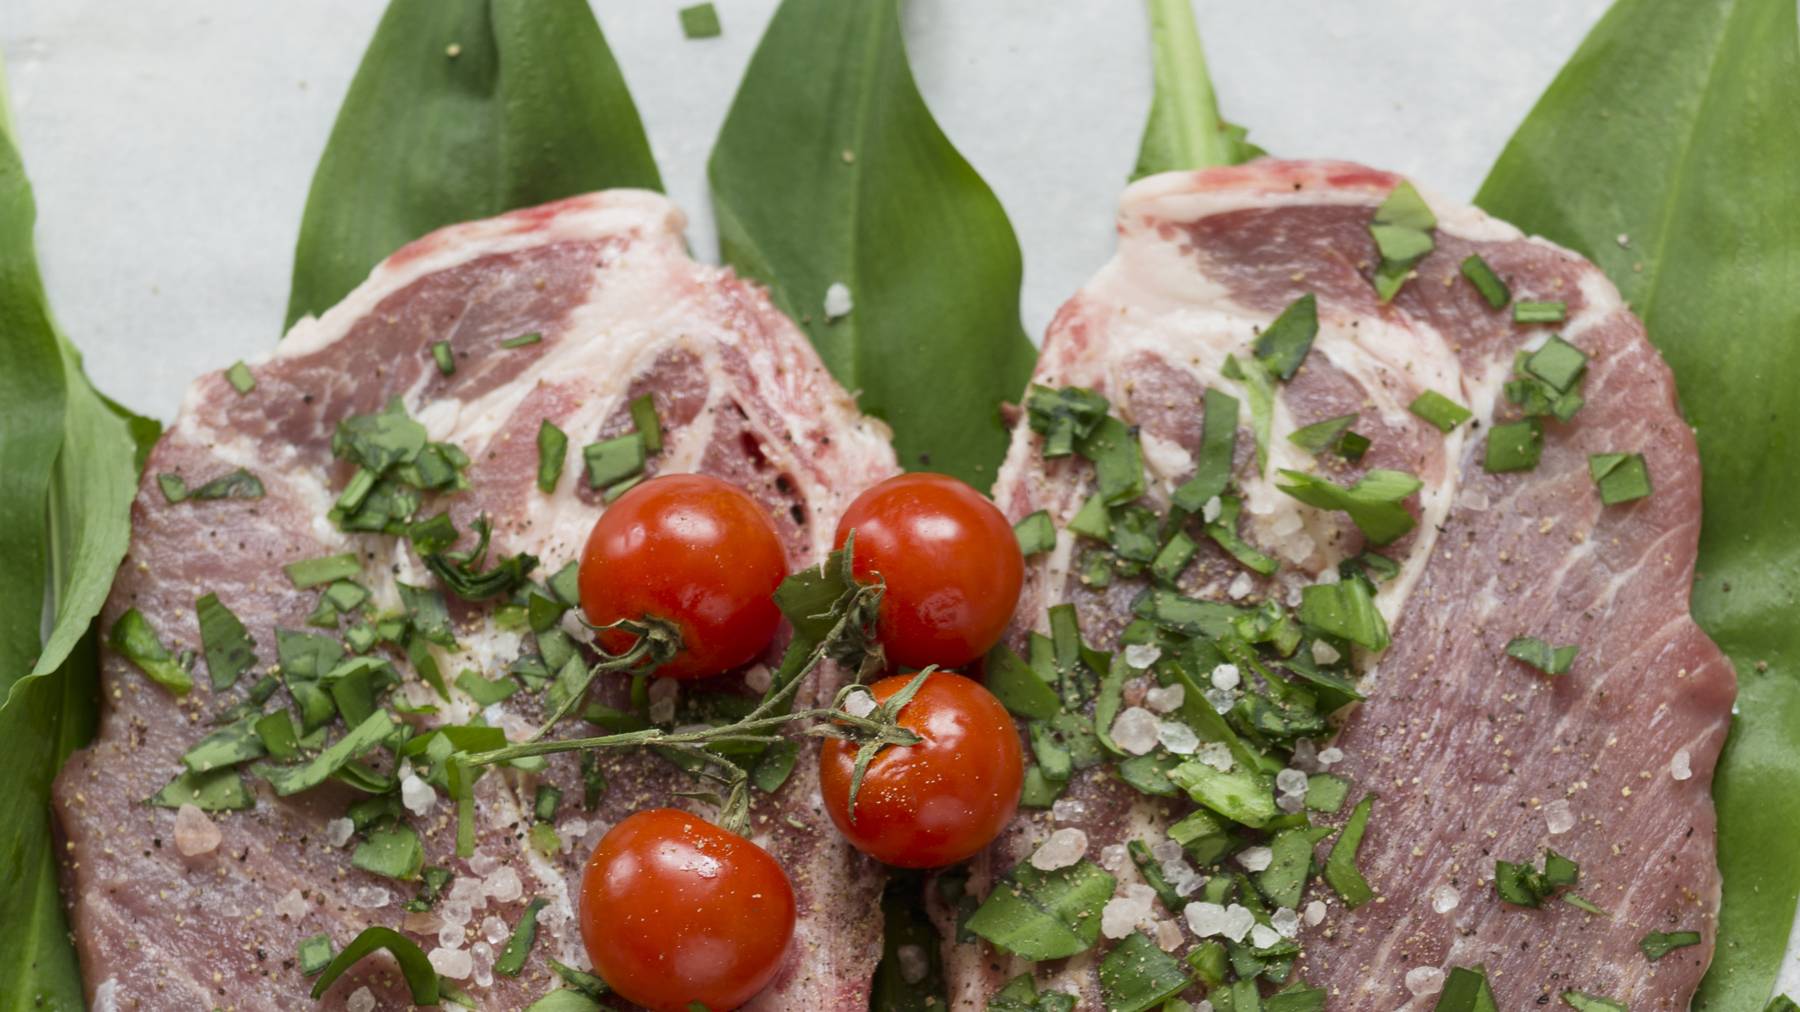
(875, 733)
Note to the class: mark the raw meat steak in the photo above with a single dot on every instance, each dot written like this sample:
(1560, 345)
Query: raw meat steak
(1473, 756)
(622, 311)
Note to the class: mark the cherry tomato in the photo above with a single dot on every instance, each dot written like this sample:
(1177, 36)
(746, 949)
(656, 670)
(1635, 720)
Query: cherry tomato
(675, 910)
(692, 550)
(942, 800)
(951, 563)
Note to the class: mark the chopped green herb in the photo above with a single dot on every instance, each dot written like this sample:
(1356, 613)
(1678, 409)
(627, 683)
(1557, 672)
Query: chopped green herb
(228, 746)
(1439, 410)
(312, 572)
(315, 953)
(1137, 975)
(774, 766)
(1259, 389)
(1658, 944)
(1017, 686)
(1620, 477)
(1466, 990)
(1326, 792)
(523, 340)
(133, 637)
(1118, 460)
(1540, 655)
(445, 358)
(614, 460)
(1514, 446)
(701, 21)
(1284, 345)
(1223, 532)
(484, 692)
(512, 958)
(1218, 449)
(1321, 436)
(1239, 794)
(1525, 886)
(1063, 416)
(643, 416)
(1557, 363)
(1781, 1003)
(1174, 557)
(238, 484)
(1341, 872)
(292, 779)
(553, 449)
(1486, 281)
(1036, 533)
(421, 979)
(1041, 915)
(1375, 503)
(462, 574)
(1528, 311)
(224, 642)
(221, 790)
(240, 378)
(393, 852)
(278, 736)
(1584, 1002)
(1401, 229)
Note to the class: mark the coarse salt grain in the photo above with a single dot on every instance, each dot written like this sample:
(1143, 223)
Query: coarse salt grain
(859, 703)
(837, 301)
(1216, 754)
(469, 892)
(339, 831)
(417, 795)
(1177, 737)
(481, 958)
(1135, 730)
(1262, 936)
(450, 936)
(493, 929)
(504, 885)
(1112, 857)
(1062, 849)
(663, 694)
(1067, 810)
(195, 833)
(1291, 781)
(484, 862)
(1204, 919)
(361, 1000)
(1445, 898)
(292, 906)
(1331, 756)
(1285, 921)
(1221, 700)
(1473, 500)
(1298, 548)
(1559, 817)
(1255, 858)
(1165, 850)
(1424, 980)
(1286, 523)
(1241, 586)
(1315, 913)
(1166, 700)
(759, 678)
(1211, 509)
(1122, 914)
(914, 963)
(453, 963)
(1226, 676)
(1142, 655)
(1168, 935)
(1325, 653)
(1681, 765)
(370, 897)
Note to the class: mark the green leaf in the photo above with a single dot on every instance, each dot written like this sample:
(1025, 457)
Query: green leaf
(1376, 503)
(1581, 1001)
(1017, 686)
(1347, 609)
(854, 184)
(1284, 345)
(1218, 448)
(511, 960)
(530, 108)
(1466, 990)
(1619, 477)
(394, 852)
(701, 21)
(1042, 915)
(905, 922)
(1340, 865)
(1442, 412)
(421, 979)
(1184, 130)
(307, 573)
(221, 790)
(132, 636)
(224, 641)
(292, 779)
(1677, 125)
(1658, 944)
(1137, 975)
(1240, 794)
(1540, 655)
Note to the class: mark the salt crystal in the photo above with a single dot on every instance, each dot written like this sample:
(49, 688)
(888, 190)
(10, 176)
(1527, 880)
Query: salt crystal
(1205, 919)
(1286, 921)
(1142, 655)
(469, 892)
(1327, 578)
(1445, 898)
(292, 906)
(914, 963)
(1298, 548)
(504, 885)
(570, 833)
(1255, 858)
(1211, 509)
(1166, 850)
(1226, 676)
(1238, 922)
(371, 897)
(493, 929)
(1262, 936)
(1185, 880)
(1168, 935)
(450, 936)
(457, 913)
(1120, 917)
(1331, 756)
(859, 703)
(1135, 730)
(1473, 500)
(1424, 980)
(1240, 588)
(663, 694)
(1112, 857)
(1290, 802)
(1067, 810)
(1291, 781)
(453, 963)
(1286, 523)
(361, 1000)
(1221, 700)
(1204, 1006)
(1681, 765)
(1315, 913)
(1559, 817)
(1064, 848)
(1216, 754)
(759, 678)
(704, 865)
(1325, 653)
(1165, 700)
(837, 301)
(195, 833)
(484, 862)
(417, 795)
(1177, 737)
(481, 958)
(338, 831)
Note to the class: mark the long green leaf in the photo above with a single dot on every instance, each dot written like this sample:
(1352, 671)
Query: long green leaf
(1666, 151)
(463, 109)
(831, 171)
(1185, 130)
(67, 475)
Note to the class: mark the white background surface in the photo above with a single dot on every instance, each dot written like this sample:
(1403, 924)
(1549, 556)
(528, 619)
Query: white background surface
(171, 142)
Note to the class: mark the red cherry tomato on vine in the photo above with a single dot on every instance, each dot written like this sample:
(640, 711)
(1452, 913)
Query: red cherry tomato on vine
(942, 800)
(675, 910)
(951, 563)
(695, 551)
